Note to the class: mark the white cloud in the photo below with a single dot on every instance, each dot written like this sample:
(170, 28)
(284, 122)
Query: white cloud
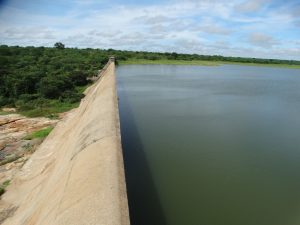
(251, 5)
(296, 11)
(213, 29)
(193, 26)
(262, 40)
(158, 19)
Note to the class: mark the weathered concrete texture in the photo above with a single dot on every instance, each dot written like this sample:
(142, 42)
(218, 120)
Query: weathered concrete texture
(77, 174)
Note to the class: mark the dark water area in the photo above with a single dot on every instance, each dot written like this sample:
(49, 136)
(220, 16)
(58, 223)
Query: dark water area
(211, 145)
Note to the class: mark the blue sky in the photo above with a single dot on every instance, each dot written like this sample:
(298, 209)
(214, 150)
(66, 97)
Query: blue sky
(247, 28)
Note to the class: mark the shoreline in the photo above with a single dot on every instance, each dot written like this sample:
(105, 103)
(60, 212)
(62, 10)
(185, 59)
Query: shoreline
(201, 63)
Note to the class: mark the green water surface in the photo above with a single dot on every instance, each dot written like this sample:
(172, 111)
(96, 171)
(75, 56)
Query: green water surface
(211, 145)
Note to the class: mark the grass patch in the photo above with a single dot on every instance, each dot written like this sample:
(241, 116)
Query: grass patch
(2, 113)
(81, 89)
(3, 186)
(39, 134)
(49, 109)
(262, 64)
(200, 63)
(168, 62)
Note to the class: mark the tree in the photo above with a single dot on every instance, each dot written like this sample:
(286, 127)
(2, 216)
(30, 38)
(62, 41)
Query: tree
(59, 45)
(53, 86)
(78, 78)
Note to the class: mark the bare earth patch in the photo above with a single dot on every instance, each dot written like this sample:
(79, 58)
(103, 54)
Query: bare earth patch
(14, 150)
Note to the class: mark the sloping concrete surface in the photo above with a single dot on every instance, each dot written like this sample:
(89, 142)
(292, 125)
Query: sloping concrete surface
(76, 177)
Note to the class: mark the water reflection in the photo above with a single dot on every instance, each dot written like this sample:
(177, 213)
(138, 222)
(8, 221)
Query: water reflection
(144, 204)
(211, 145)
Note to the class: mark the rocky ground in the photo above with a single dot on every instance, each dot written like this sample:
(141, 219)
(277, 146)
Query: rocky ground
(14, 148)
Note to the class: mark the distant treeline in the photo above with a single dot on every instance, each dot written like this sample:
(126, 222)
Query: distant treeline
(31, 77)
(126, 55)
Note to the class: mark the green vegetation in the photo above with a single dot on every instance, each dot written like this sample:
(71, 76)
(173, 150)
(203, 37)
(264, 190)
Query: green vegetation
(4, 113)
(59, 45)
(199, 62)
(39, 134)
(43, 81)
(46, 107)
(3, 186)
(169, 62)
(130, 57)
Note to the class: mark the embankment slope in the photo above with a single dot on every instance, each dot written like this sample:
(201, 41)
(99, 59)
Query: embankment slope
(76, 177)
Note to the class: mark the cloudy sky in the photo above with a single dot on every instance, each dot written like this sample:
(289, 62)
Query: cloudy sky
(250, 28)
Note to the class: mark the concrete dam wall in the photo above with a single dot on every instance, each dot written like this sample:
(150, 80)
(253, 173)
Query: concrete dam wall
(76, 177)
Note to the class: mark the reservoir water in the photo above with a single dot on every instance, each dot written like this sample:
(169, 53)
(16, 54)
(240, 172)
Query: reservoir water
(211, 145)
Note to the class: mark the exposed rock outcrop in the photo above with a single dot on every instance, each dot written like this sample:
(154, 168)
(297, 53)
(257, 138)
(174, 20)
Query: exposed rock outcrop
(14, 150)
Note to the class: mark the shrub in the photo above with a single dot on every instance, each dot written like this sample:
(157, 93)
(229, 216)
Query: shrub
(3, 186)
